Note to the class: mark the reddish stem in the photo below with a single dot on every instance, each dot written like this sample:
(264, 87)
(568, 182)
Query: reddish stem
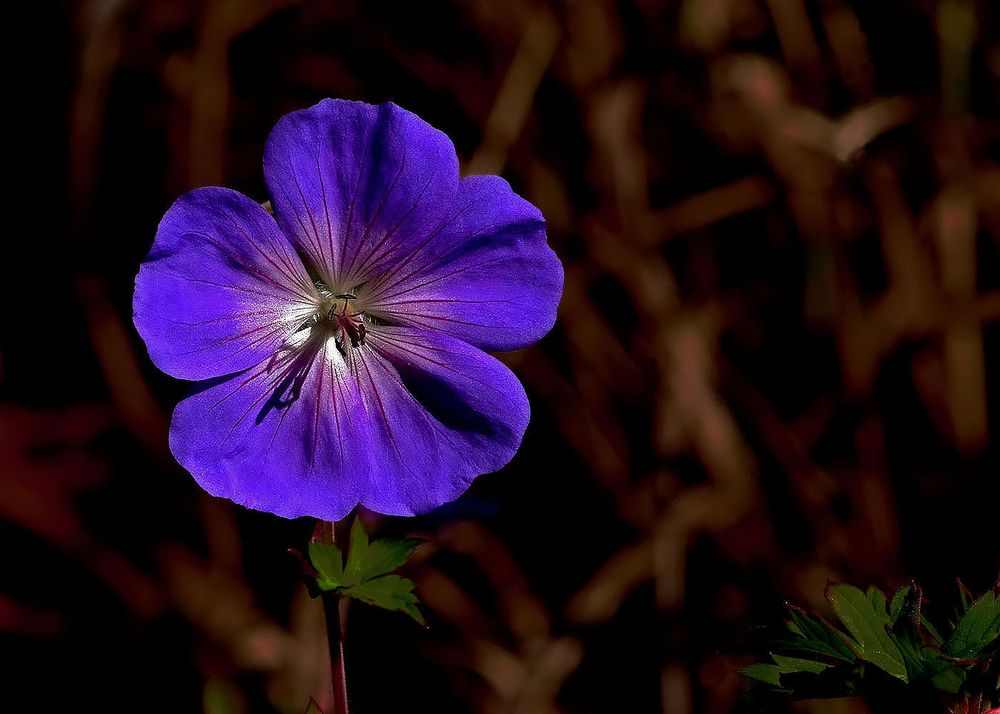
(334, 607)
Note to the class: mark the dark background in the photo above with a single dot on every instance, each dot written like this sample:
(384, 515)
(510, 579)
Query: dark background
(775, 363)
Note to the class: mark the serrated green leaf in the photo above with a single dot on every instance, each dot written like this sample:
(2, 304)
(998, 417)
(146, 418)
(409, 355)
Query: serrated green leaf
(978, 628)
(365, 576)
(766, 673)
(867, 619)
(788, 665)
(328, 561)
(357, 554)
(924, 662)
(385, 555)
(814, 637)
(369, 559)
(390, 592)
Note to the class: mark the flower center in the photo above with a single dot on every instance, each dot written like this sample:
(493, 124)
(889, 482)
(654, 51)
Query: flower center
(342, 315)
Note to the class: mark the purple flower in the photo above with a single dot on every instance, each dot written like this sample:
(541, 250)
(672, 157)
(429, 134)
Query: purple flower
(339, 344)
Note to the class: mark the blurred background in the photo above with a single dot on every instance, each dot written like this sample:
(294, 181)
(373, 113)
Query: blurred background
(775, 365)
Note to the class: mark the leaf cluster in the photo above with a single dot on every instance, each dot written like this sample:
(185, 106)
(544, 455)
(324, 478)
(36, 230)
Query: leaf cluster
(367, 572)
(882, 642)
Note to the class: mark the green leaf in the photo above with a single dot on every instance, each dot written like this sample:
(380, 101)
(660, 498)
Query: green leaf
(898, 602)
(948, 679)
(931, 630)
(788, 665)
(964, 596)
(390, 592)
(386, 555)
(367, 560)
(877, 599)
(357, 554)
(329, 564)
(924, 662)
(867, 619)
(365, 576)
(766, 673)
(978, 628)
(313, 707)
(814, 637)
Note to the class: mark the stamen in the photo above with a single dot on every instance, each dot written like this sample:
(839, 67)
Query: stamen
(341, 319)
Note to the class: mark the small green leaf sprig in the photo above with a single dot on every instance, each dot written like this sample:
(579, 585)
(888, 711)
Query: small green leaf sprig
(881, 636)
(367, 574)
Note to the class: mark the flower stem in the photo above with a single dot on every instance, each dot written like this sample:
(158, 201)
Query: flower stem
(334, 607)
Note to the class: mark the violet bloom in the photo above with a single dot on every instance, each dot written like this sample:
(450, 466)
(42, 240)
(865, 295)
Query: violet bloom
(340, 342)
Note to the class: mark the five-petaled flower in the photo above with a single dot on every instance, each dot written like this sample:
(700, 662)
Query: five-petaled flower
(339, 345)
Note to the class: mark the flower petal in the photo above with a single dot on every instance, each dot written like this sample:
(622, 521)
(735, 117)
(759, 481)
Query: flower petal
(221, 288)
(287, 436)
(349, 181)
(372, 196)
(402, 425)
(488, 278)
(445, 413)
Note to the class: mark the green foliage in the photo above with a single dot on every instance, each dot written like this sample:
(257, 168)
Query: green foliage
(977, 630)
(390, 592)
(812, 636)
(880, 641)
(867, 619)
(766, 673)
(366, 574)
(899, 602)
